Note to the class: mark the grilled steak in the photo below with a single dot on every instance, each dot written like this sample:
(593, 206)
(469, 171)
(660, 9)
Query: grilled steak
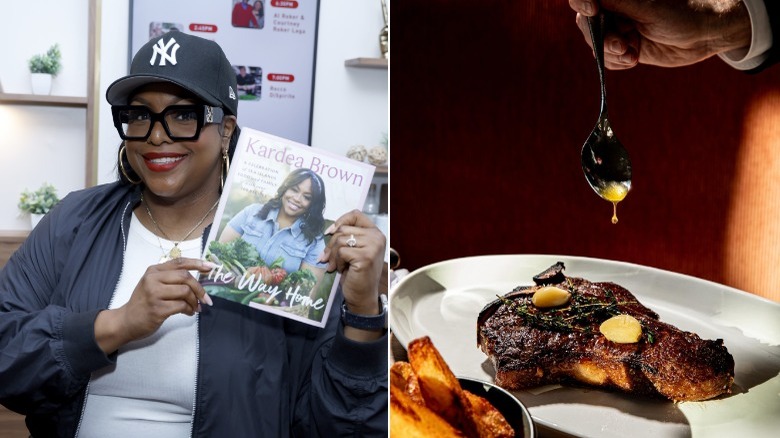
(531, 346)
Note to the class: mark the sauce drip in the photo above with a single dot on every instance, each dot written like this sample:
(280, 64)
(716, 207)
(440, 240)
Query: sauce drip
(615, 192)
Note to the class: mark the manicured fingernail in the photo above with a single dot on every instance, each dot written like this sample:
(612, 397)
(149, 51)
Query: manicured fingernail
(209, 265)
(198, 309)
(331, 229)
(207, 300)
(616, 46)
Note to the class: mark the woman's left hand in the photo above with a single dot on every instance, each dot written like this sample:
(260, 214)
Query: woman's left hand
(360, 264)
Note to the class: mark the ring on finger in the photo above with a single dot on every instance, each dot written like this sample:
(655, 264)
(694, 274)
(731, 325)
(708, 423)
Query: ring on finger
(351, 242)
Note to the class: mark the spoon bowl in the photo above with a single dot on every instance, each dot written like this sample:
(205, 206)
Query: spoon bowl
(605, 161)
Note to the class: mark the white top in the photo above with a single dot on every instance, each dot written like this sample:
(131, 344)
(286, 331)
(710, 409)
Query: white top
(151, 390)
(761, 41)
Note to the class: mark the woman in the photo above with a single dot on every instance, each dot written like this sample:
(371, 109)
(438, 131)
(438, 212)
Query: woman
(289, 226)
(258, 11)
(102, 331)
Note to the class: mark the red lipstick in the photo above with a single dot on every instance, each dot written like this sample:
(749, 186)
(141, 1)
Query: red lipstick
(162, 162)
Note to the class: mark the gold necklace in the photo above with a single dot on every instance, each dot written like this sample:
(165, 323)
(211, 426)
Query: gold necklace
(175, 252)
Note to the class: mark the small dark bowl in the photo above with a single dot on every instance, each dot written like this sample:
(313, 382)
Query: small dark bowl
(510, 407)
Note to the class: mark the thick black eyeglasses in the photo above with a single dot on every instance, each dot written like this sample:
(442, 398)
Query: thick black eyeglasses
(181, 122)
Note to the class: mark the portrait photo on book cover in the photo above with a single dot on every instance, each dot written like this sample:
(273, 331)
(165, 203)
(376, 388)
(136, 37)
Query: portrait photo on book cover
(270, 229)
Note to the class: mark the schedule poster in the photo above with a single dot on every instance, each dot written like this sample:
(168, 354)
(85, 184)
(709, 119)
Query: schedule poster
(271, 44)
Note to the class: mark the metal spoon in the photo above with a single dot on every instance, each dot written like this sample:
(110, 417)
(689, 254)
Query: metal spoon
(605, 161)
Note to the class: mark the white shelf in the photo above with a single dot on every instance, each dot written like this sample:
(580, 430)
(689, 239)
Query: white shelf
(377, 63)
(37, 99)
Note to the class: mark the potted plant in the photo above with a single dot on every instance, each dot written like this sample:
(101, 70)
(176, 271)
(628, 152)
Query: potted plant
(39, 202)
(43, 67)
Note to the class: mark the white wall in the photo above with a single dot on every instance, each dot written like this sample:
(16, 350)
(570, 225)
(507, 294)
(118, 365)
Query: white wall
(351, 105)
(115, 31)
(38, 144)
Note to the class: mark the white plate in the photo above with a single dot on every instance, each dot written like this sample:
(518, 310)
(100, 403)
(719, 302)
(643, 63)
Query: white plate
(443, 300)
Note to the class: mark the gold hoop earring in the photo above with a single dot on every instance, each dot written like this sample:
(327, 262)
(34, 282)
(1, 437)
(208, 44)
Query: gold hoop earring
(122, 167)
(225, 169)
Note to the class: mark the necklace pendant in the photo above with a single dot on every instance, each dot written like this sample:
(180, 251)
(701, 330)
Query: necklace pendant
(175, 252)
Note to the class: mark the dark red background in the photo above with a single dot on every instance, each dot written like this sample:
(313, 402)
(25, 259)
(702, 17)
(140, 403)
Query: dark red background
(491, 102)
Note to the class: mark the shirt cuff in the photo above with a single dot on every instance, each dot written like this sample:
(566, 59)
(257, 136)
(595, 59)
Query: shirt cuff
(760, 43)
(359, 358)
(82, 353)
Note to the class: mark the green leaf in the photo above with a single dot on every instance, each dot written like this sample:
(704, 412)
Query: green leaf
(39, 201)
(48, 62)
(278, 263)
(248, 298)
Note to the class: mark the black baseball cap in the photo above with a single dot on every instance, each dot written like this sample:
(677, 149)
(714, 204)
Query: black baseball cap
(193, 63)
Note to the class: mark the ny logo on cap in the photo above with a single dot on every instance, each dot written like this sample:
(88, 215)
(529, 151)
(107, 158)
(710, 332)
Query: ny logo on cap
(162, 50)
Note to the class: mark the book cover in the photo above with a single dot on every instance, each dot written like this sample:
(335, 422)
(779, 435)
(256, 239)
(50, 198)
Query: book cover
(278, 199)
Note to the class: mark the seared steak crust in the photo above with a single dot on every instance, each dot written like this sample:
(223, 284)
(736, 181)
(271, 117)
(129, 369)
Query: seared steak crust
(529, 346)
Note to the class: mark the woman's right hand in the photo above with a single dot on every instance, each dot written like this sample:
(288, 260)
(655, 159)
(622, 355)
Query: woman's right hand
(164, 290)
(667, 33)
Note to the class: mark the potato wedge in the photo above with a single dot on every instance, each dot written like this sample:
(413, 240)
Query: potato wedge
(408, 419)
(424, 393)
(439, 386)
(402, 377)
(490, 422)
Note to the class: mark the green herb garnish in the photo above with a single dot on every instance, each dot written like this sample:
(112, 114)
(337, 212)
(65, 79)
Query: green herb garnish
(578, 315)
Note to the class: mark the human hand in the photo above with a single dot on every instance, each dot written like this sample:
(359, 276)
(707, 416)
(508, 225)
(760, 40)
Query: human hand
(360, 266)
(667, 33)
(164, 290)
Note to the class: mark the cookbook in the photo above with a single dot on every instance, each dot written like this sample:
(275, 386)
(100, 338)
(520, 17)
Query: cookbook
(268, 234)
